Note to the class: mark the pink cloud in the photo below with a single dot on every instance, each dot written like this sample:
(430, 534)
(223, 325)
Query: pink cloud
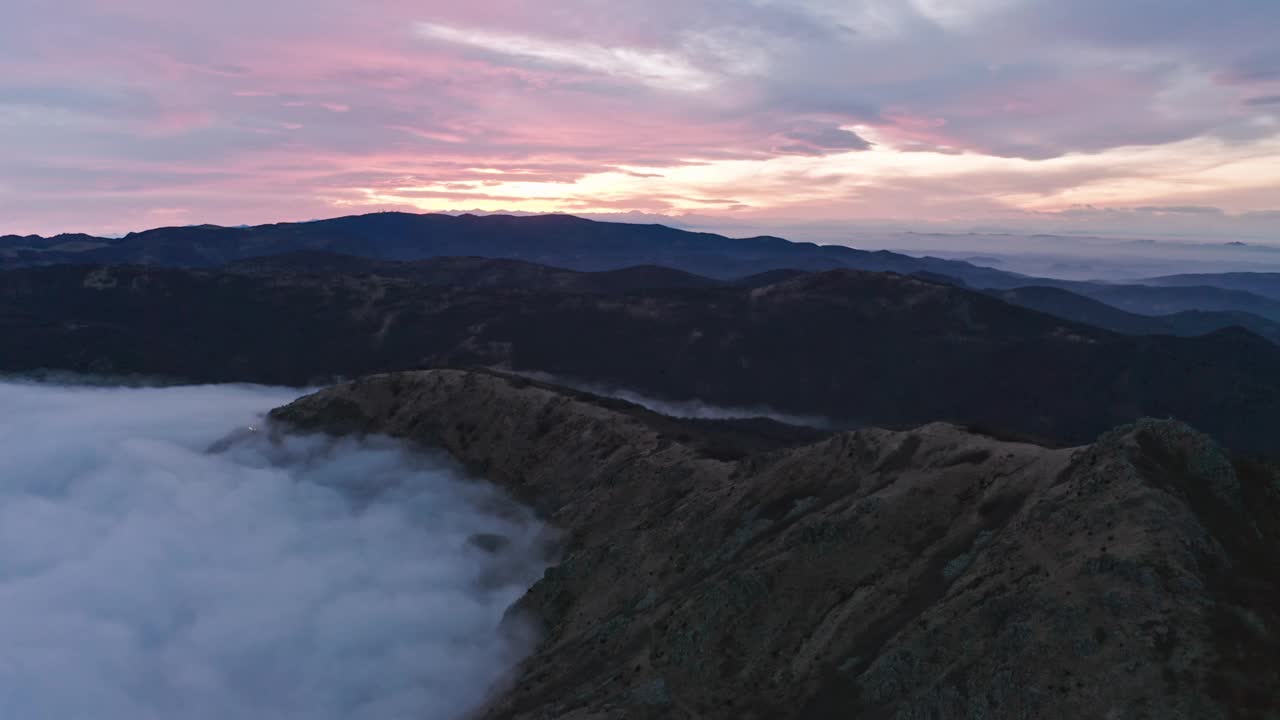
(172, 122)
(236, 111)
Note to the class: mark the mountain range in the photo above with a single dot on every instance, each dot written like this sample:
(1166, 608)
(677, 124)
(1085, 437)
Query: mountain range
(1081, 308)
(1256, 283)
(349, 244)
(559, 240)
(894, 341)
(858, 348)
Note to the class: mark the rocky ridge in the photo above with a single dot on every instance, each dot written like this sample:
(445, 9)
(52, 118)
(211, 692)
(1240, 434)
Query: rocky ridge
(740, 570)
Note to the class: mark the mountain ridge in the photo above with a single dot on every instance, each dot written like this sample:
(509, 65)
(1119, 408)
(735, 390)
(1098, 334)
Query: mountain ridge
(857, 348)
(1055, 300)
(1068, 305)
(574, 243)
(1266, 284)
(923, 573)
(558, 240)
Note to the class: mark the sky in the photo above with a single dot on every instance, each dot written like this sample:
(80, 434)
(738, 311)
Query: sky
(118, 115)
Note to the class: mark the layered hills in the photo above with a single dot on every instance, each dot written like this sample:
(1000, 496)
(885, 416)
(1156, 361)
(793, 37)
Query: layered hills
(375, 242)
(858, 348)
(560, 240)
(383, 242)
(480, 273)
(1151, 314)
(1256, 283)
(1084, 309)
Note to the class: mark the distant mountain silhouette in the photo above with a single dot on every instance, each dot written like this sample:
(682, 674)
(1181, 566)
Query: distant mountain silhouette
(1152, 300)
(860, 348)
(573, 243)
(1078, 308)
(1258, 283)
(559, 240)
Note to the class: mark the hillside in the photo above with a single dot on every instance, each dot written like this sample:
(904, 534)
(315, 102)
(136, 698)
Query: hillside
(1188, 323)
(477, 272)
(1258, 283)
(671, 256)
(858, 348)
(1152, 300)
(932, 573)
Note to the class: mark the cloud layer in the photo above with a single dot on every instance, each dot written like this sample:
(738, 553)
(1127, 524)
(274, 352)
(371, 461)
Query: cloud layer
(142, 578)
(140, 113)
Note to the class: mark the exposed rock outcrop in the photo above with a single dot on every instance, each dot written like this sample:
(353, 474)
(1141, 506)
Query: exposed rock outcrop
(727, 570)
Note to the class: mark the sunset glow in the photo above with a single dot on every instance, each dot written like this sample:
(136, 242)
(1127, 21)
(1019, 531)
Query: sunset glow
(123, 115)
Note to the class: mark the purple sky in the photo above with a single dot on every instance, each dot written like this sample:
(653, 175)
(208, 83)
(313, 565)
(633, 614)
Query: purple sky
(117, 115)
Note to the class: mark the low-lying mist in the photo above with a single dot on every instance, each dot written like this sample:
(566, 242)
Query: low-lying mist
(695, 409)
(144, 576)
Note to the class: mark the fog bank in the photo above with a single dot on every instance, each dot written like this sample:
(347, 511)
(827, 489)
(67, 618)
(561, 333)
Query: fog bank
(145, 578)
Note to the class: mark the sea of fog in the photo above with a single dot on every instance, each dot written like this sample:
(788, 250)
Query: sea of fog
(144, 576)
